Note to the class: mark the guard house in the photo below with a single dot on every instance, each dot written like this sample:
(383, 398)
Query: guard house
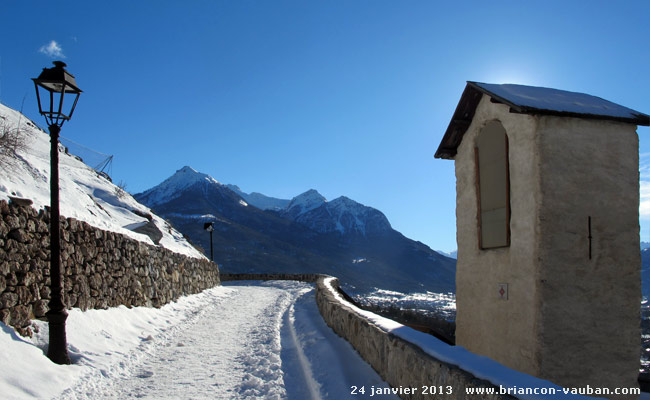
(547, 214)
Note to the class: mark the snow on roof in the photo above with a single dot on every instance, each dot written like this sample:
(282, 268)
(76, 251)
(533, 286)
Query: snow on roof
(532, 100)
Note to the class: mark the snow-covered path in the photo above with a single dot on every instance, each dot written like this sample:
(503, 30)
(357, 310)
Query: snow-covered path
(261, 340)
(205, 358)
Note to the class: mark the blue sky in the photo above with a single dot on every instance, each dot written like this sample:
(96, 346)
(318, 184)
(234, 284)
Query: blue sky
(346, 97)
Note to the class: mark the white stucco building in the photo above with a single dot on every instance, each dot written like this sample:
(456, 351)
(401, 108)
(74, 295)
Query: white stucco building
(548, 273)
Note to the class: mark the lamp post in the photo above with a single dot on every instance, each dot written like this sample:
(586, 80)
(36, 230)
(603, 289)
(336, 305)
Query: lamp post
(56, 82)
(209, 226)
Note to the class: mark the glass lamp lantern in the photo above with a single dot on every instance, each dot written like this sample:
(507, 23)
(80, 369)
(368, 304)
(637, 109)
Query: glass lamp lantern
(54, 83)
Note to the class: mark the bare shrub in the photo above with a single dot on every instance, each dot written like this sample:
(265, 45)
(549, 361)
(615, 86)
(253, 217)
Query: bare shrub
(120, 190)
(12, 140)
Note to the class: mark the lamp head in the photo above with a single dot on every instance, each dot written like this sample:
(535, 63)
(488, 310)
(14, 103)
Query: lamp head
(55, 83)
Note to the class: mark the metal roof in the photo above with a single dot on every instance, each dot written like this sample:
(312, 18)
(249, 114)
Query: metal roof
(531, 100)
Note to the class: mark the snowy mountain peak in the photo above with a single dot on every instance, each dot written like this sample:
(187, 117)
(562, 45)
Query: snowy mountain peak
(342, 215)
(175, 184)
(351, 216)
(305, 202)
(344, 201)
(191, 175)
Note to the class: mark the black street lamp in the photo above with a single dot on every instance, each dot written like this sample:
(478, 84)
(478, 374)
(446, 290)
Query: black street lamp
(57, 82)
(209, 226)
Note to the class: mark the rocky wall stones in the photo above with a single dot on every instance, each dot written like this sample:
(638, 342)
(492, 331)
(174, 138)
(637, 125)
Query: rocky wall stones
(100, 268)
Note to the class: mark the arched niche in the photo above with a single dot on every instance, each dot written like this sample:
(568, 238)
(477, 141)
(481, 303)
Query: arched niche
(493, 186)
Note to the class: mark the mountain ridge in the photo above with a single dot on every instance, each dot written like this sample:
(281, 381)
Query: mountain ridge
(341, 237)
(260, 200)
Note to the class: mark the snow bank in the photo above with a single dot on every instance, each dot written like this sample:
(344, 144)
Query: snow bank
(102, 343)
(84, 194)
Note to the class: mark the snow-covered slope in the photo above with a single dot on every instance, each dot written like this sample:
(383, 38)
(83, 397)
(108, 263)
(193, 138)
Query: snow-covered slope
(84, 194)
(450, 254)
(260, 200)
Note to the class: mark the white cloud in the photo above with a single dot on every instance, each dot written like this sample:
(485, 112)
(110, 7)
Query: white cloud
(52, 49)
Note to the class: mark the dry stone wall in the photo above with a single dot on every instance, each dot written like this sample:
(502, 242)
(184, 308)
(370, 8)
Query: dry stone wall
(100, 268)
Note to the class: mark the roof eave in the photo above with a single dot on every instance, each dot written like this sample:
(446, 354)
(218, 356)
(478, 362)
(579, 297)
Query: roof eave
(459, 123)
(639, 119)
(469, 100)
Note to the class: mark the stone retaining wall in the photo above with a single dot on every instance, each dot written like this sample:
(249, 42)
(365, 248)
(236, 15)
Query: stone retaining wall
(100, 268)
(400, 363)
